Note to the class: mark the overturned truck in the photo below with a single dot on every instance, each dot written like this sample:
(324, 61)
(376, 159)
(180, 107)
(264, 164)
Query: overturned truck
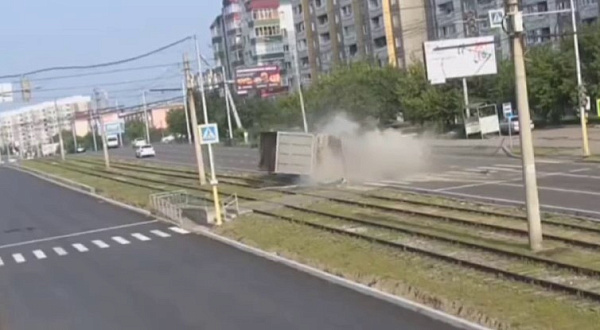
(319, 156)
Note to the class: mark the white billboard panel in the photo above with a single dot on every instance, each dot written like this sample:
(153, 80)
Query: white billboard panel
(489, 124)
(459, 58)
(6, 93)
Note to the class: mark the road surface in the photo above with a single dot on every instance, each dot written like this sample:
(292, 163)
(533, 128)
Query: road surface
(68, 261)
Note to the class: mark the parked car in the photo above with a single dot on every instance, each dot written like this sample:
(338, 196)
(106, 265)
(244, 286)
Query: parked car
(146, 150)
(80, 149)
(138, 143)
(514, 125)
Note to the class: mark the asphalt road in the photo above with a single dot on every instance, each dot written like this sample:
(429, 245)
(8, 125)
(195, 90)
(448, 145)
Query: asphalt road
(68, 261)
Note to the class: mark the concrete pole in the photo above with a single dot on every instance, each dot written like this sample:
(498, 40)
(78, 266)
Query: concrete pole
(93, 120)
(213, 176)
(104, 146)
(187, 115)
(74, 135)
(466, 97)
(226, 94)
(146, 117)
(300, 93)
(194, 118)
(529, 173)
(584, 133)
(60, 138)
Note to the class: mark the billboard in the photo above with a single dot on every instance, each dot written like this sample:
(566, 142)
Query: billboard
(459, 58)
(260, 77)
(6, 93)
(115, 128)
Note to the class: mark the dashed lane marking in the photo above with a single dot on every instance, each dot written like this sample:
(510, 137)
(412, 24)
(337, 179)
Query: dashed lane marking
(80, 247)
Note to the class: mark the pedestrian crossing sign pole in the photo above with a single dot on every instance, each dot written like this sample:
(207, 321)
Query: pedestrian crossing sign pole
(209, 134)
(496, 18)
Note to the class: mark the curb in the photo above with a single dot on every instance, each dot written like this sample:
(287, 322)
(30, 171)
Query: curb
(360, 288)
(90, 191)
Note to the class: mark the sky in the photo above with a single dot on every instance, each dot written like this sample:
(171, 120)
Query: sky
(36, 34)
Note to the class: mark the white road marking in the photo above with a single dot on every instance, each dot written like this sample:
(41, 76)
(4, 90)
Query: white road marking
(550, 161)
(140, 237)
(571, 191)
(1, 262)
(509, 165)
(80, 247)
(580, 170)
(100, 244)
(179, 230)
(159, 233)
(120, 240)
(39, 254)
(18, 258)
(76, 234)
(492, 169)
(60, 251)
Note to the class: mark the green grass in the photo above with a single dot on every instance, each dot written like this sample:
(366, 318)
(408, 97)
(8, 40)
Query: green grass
(494, 302)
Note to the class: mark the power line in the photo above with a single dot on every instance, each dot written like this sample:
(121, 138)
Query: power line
(93, 66)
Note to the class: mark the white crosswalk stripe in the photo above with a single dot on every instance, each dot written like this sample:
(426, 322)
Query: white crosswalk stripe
(179, 230)
(100, 244)
(60, 251)
(160, 233)
(140, 237)
(39, 254)
(18, 258)
(80, 247)
(120, 240)
(1, 262)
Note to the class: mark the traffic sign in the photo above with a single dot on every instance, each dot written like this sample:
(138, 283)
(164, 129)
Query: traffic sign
(507, 109)
(496, 18)
(209, 133)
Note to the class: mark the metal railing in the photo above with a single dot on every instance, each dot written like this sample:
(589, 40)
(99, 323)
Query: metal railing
(169, 204)
(230, 203)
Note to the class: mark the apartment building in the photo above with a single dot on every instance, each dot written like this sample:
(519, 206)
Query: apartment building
(36, 124)
(330, 33)
(227, 40)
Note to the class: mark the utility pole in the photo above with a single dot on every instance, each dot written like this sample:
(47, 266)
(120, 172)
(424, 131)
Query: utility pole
(187, 115)
(226, 94)
(102, 132)
(74, 135)
(529, 173)
(93, 120)
(213, 175)
(581, 90)
(60, 138)
(300, 93)
(146, 117)
(190, 92)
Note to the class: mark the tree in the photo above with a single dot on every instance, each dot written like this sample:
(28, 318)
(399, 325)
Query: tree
(177, 122)
(135, 129)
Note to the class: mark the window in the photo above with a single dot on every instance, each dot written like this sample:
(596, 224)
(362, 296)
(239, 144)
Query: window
(318, 3)
(298, 9)
(376, 22)
(446, 8)
(262, 14)
(323, 19)
(304, 62)
(539, 7)
(374, 4)
(300, 27)
(267, 31)
(563, 5)
(352, 50)
(302, 44)
(324, 37)
(380, 42)
(349, 30)
(347, 11)
(446, 31)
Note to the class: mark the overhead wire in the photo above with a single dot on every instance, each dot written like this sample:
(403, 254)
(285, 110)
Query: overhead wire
(100, 65)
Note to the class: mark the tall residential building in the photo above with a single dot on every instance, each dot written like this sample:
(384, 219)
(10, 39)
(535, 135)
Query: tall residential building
(37, 124)
(334, 32)
(227, 41)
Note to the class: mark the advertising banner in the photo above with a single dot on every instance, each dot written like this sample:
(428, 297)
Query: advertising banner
(256, 78)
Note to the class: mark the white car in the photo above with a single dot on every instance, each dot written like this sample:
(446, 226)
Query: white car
(112, 141)
(168, 139)
(138, 143)
(146, 150)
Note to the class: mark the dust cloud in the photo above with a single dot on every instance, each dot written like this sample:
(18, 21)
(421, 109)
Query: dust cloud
(369, 153)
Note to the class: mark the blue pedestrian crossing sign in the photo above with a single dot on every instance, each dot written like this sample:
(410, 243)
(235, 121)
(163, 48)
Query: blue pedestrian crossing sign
(209, 133)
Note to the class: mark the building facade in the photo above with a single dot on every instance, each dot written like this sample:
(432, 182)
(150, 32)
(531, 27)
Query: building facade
(37, 124)
(227, 41)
